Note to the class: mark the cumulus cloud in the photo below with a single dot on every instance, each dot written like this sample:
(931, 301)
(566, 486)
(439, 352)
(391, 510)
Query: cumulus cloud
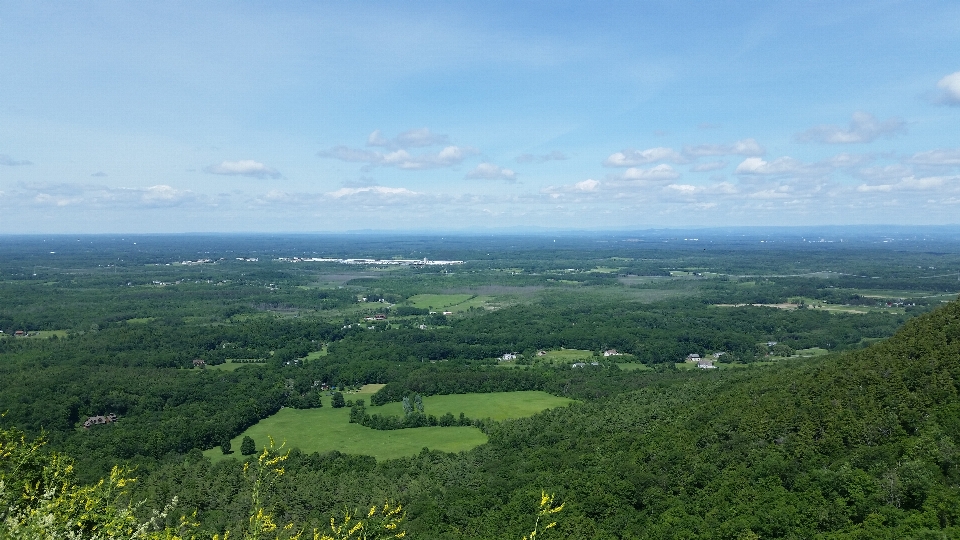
(743, 147)
(632, 158)
(401, 159)
(863, 128)
(950, 89)
(660, 172)
(845, 160)
(372, 190)
(759, 166)
(98, 196)
(244, 167)
(884, 173)
(912, 183)
(541, 158)
(489, 171)
(709, 166)
(937, 158)
(414, 138)
(10, 162)
(587, 185)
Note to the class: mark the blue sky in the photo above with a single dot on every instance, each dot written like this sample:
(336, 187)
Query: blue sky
(315, 116)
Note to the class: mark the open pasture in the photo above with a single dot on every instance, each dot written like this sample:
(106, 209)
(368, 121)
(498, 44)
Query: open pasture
(566, 356)
(448, 302)
(495, 405)
(327, 429)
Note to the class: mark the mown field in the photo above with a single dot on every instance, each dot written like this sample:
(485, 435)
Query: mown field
(327, 429)
(448, 302)
(495, 405)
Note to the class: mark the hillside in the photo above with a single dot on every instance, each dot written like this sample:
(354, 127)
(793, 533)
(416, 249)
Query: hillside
(858, 445)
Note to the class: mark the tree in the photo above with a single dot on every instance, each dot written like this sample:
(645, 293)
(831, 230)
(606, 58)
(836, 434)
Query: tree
(225, 446)
(418, 402)
(337, 400)
(248, 447)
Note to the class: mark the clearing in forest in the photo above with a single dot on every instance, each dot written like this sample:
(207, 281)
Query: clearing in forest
(495, 405)
(327, 429)
(447, 302)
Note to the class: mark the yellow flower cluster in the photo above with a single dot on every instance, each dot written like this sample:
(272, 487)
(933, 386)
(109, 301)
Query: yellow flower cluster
(546, 509)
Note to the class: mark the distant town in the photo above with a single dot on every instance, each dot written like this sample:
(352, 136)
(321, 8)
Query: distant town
(399, 262)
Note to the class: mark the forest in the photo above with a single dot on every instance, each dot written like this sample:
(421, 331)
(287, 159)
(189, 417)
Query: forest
(833, 411)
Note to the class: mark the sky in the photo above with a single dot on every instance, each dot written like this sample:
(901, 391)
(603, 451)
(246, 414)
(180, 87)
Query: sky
(167, 117)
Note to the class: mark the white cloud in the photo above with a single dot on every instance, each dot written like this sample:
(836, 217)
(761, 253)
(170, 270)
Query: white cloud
(414, 138)
(372, 190)
(684, 189)
(710, 166)
(950, 89)
(587, 185)
(244, 167)
(912, 183)
(884, 173)
(10, 162)
(401, 159)
(542, 158)
(884, 188)
(937, 158)
(630, 158)
(863, 128)
(846, 160)
(743, 147)
(98, 196)
(759, 166)
(489, 171)
(660, 172)
(163, 195)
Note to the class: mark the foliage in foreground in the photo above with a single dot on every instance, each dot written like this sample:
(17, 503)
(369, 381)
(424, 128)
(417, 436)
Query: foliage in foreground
(41, 499)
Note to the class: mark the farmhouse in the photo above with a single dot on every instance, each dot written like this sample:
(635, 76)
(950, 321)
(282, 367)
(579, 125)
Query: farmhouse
(197, 362)
(693, 357)
(19, 333)
(578, 365)
(508, 356)
(612, 352)
(95, 420)
(706, 363)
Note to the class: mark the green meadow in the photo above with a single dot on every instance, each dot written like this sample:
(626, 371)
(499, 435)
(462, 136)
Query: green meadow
(565, 356)
(447, 302)
(327, 429)
(495, 405)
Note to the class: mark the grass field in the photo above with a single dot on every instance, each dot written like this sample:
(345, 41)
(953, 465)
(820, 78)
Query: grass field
(326, 429)
(317, 354)
(566, 356)
(230, 365)
(634, 366)
(448, 302)
(496, 405)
